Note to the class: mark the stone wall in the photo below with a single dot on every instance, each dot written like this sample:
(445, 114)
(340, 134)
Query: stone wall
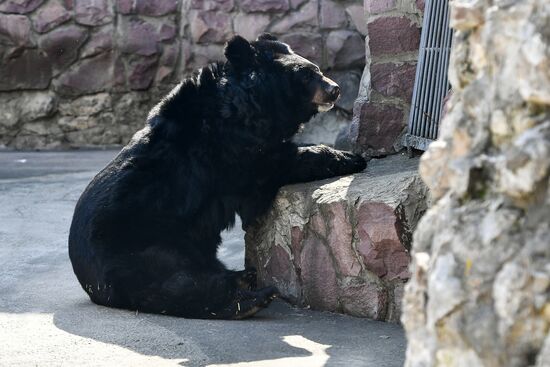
(480, 290)
(382, 108)
(342, 244)
(77, 73)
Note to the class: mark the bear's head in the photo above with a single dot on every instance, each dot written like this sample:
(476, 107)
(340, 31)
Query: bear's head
(286, 88)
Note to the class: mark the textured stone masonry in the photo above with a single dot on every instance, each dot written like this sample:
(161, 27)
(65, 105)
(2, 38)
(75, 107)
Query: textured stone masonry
(342, 244)
(383, 104)
(57, 52)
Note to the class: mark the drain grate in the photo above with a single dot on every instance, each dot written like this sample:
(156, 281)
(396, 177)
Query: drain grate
(431, 84)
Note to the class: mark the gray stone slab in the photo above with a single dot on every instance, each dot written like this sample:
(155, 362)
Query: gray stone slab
(47, 320)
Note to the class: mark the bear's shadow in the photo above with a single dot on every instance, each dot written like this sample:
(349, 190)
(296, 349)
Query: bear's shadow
(337, 340)
(196, 342)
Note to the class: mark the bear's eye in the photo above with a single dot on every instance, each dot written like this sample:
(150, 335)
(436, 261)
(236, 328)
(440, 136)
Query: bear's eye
(307, 74)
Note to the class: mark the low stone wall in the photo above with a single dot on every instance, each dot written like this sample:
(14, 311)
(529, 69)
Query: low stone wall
(342, 244)
(382, 107)
(77, 73)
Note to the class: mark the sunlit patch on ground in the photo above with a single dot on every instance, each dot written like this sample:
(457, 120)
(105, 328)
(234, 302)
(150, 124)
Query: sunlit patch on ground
(318, 357)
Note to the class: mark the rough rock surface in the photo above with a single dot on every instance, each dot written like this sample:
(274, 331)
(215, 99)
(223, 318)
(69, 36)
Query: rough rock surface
(136, 50)
(480, 290)
(342, 244)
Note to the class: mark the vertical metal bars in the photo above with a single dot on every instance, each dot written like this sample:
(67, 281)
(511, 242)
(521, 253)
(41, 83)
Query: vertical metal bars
(431, 84)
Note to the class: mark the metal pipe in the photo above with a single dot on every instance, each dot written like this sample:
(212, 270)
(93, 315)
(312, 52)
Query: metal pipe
(431, 81)
(438, 85)
(413, 116)
(425, 75)
(426, 119)
(446, 49)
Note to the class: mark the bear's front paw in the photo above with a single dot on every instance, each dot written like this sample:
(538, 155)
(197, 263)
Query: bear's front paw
(353, 163)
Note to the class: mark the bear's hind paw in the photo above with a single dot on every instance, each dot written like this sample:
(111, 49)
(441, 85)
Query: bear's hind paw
(249, 303)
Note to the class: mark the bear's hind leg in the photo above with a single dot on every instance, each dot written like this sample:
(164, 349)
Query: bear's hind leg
(217, 296)
(163, 281)
(186, 293)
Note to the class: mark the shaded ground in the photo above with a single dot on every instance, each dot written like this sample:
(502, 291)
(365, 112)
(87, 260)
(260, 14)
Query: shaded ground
(47, 320)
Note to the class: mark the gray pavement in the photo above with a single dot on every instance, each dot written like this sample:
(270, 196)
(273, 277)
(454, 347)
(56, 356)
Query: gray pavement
(47, 320)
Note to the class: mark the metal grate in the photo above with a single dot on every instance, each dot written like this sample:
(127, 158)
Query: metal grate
(431, 84)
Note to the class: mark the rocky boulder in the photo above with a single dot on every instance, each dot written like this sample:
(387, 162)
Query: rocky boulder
(480, 291)
(342, 244)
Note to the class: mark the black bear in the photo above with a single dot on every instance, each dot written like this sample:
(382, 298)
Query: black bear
(145, 232)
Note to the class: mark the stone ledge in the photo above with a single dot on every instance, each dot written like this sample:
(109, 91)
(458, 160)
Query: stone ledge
(342, 244)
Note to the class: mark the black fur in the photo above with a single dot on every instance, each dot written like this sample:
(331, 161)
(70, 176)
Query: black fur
(146, 230)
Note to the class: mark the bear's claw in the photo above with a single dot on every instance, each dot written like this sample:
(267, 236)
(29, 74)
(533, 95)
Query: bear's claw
(249, 303)
(246, 279)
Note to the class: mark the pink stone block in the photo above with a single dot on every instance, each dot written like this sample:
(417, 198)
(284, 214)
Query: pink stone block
(147, 7)
(210, 26)
(333, 15)
(392, 80)
(379, 242)
(20, 6)
(264, 5)
(319, 281)
(308, 45)
(225, 5)
(90, 75)
(392, 35)
(286, 280)
(358, 18)
(138, 37)
(366, 298)
(29, 70)
(345, 49)
(379, 127)
(98, 42)
(141, 72)
(169, 55)
(50, 16)
(167, 32)
(340, 241)
(250, 26)
(16, 28)
(297, 237)
(380, 6)
(303, 17)
(93, 12)
(62, 45)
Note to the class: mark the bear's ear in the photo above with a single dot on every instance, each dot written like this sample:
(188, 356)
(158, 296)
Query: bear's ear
(266, 37)
(239, 52)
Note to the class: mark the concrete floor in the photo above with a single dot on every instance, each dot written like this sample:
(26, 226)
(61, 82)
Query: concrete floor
(47, 320)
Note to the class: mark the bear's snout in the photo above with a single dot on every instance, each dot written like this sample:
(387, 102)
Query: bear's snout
(327, 93)
(333, 91)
